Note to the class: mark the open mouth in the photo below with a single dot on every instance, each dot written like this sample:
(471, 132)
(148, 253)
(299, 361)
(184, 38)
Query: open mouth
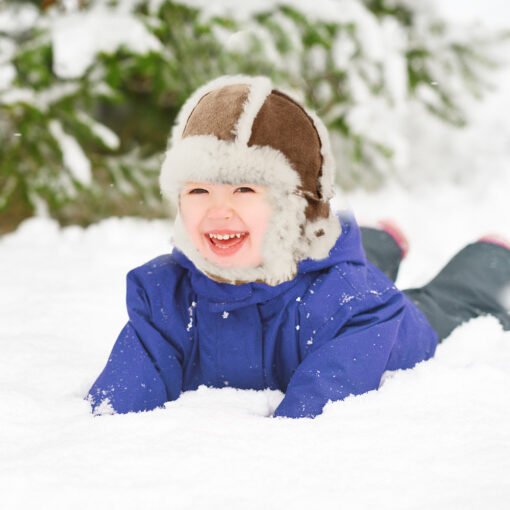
(226, 243)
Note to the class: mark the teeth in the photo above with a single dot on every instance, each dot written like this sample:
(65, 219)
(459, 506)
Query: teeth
(225, 236)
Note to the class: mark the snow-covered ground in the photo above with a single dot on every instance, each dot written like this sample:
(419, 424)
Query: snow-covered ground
(436, 436)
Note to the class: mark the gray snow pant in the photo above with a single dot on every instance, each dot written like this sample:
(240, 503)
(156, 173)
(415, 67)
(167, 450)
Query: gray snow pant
(475, 282)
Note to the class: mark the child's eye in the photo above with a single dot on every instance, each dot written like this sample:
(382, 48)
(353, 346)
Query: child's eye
(245, 189)
(197, 191)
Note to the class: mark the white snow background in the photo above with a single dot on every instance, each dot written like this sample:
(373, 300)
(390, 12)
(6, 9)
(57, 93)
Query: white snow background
(436, 436)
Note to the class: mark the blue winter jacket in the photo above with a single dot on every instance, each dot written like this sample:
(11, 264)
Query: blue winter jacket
(330, 332)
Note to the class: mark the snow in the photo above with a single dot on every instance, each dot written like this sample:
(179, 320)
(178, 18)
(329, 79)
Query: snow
(17, 18)
(436, 436)
(77, 37)
(74, 158)
(102, 132)
(41, 99)
(7, 76)
(16, 95)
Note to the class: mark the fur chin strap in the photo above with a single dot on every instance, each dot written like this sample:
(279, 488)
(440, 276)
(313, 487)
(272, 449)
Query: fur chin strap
(232, 275)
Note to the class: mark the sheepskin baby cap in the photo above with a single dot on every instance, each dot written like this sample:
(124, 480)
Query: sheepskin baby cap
(240, 129)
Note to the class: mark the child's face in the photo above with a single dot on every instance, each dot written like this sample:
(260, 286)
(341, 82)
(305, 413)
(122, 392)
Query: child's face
(211, 212)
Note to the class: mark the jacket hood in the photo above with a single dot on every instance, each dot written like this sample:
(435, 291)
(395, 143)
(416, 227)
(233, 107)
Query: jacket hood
(227, 297)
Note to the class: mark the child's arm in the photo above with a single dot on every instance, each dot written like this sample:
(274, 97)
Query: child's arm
(144, 369)
(351, 358)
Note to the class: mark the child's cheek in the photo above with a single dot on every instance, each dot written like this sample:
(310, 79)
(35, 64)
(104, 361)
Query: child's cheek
(191, 220)
(261, 215)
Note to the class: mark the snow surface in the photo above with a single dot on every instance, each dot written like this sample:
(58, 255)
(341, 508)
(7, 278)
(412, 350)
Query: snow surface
(436, 436)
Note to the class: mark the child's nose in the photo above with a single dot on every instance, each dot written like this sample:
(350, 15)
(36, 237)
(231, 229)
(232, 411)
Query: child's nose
(220, 211)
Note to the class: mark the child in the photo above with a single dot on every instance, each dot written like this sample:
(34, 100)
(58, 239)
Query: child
(266, 286)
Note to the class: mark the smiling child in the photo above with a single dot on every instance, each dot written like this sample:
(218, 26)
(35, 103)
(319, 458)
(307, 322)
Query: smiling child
(267, 287)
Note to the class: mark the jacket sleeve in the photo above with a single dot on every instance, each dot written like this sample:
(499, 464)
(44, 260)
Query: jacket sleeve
(346, 360)
(144, 369)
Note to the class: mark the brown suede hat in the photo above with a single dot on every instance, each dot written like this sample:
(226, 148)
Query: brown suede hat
(240, 129)
(281, 123)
